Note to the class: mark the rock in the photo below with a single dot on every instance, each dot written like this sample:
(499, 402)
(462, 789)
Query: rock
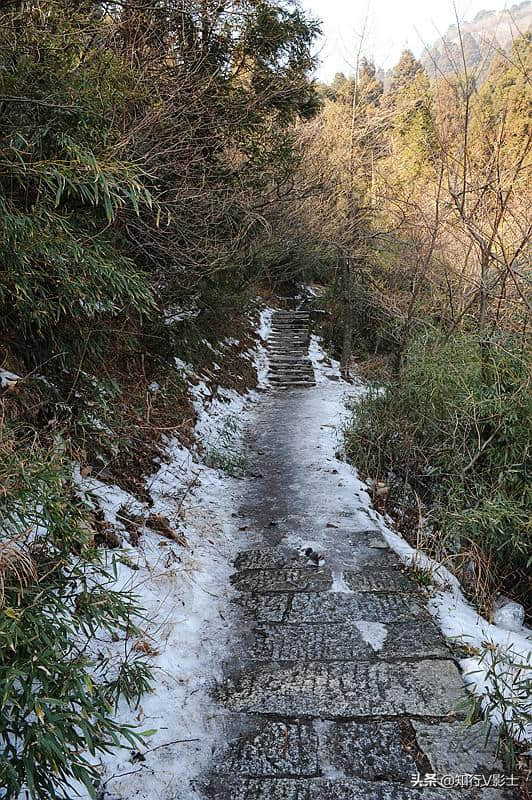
(369, 750)
(454, 749)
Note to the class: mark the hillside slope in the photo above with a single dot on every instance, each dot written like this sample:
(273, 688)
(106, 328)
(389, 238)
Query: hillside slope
(483, 37)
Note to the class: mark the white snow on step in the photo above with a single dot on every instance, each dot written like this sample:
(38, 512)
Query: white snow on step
(373, 633)
(339, 584)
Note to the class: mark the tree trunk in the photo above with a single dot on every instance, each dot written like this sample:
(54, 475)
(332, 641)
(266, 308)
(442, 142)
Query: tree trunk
(483, 316)
(347, 343)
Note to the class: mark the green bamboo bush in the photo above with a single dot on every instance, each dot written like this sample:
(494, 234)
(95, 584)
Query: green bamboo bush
(454, 426)
(507, 680)
(59, 687)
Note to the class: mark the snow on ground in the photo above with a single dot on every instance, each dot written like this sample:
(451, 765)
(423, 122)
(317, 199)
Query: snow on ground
(185, 594)
(374, 633)
(325, 368)
(261, 360)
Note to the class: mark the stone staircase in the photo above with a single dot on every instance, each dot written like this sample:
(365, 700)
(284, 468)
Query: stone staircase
(288, 350)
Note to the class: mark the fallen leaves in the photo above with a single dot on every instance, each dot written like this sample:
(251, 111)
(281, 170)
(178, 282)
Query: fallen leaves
(161, 525)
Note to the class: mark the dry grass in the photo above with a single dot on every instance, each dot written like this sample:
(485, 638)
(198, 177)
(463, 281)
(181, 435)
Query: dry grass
(16, 565)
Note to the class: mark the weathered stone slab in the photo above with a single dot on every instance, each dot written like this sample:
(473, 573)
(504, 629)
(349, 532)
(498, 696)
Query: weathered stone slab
(309, 643)
(264, 607)
(453, 749)
(368, 750)
(322, 789)
(379, 580)
(346, 642)
(270, 558)
(338, 607)
(277, 749)
(305, 579)
(421, 638)
(375, 559)
(424, 688)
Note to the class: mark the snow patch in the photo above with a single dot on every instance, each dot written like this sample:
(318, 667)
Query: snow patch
(339, 584)
(8, 378)
(373, 633)
(262, 363)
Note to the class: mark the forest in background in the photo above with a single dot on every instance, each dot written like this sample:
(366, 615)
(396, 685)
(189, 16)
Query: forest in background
(487, 35)
(162, 163)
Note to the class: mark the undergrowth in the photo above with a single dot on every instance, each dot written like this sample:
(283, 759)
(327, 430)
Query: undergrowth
(453, 429)
(58, 688)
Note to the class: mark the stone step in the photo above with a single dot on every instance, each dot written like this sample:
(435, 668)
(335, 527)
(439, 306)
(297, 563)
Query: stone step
(303, 334)
(291, 369)
(288, 344)
(279, 379)
(331, 607)
(425, 688)
(283, 342)
(291, 373)
(288, 369)
(288, 360)
(277, 749)
(345, 641)
(291, 314)
(301, 363)
(283, 376)
(290, 320)
(294, 385)
(288, 349)
(298, 356)
(289, 326)
(291, 384)
(289, 336)
(290, 331)
(237, 788)
(287, 579)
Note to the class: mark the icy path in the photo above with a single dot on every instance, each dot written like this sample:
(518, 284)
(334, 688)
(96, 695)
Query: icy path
(340, 686)
(313, 672)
